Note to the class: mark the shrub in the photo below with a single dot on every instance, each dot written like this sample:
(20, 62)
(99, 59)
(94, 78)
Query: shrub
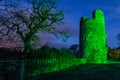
(6, 53)
(114, 54)
(49, 61)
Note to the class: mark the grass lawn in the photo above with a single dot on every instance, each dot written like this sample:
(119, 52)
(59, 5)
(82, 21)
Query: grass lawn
(85, 72)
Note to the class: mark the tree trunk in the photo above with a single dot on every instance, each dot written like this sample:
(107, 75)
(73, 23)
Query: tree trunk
(27, 47)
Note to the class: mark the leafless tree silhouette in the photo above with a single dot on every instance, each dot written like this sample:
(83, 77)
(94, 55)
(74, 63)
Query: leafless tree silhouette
(23, 22)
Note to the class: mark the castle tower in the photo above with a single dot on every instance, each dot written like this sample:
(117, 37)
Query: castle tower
(93, 38)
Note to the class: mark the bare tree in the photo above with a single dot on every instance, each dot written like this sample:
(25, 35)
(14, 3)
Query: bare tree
(24, 22)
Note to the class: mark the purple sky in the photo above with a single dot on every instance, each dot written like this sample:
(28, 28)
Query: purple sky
(75, 9)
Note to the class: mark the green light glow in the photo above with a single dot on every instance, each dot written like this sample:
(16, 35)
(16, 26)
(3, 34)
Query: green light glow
(93, 38)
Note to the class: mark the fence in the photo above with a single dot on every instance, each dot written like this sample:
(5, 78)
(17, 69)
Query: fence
(11, 69)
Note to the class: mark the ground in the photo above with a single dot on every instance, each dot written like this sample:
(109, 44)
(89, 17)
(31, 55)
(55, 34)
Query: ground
(85, 72)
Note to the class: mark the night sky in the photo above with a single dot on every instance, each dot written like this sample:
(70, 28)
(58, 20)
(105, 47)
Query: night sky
(75, 9)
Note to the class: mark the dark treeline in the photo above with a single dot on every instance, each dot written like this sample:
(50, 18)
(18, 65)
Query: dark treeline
(43, 52)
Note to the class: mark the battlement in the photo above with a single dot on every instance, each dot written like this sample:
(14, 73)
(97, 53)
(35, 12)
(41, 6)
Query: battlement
(97, 17)
(97, 14)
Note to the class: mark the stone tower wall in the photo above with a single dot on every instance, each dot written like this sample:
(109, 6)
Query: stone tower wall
(93, 37)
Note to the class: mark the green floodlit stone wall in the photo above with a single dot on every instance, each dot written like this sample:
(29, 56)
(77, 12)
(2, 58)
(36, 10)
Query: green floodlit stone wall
(93, 38)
